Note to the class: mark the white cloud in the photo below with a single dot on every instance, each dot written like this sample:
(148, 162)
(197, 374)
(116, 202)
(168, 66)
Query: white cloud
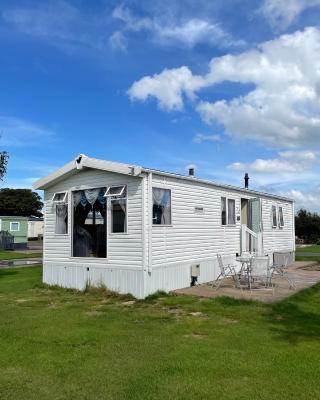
(18, 132)
(170, 31)
(132, 22)
(200, 137)
(166, 87)
(283, 109)
(289, 161)
(118, 41)
(282, 13)
(309, 201)
(302, 155)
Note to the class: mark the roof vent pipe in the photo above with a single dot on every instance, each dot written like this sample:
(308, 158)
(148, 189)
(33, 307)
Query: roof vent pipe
(191, 171)
(246, 180)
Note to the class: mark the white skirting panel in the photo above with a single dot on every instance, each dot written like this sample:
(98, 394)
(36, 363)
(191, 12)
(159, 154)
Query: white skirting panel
(135, 281)
(77, 277)
(178, 276)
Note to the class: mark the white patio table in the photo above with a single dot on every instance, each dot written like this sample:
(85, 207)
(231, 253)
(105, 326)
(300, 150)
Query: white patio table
(245, 261)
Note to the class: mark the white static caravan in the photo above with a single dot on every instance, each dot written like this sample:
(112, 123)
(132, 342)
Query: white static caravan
(137, 230)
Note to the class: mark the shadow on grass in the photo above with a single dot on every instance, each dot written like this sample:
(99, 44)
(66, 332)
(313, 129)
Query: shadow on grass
(7, 272)
(297, 318)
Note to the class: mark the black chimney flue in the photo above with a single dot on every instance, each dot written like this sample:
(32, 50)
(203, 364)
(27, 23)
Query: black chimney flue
(191, 171)
(246, 180)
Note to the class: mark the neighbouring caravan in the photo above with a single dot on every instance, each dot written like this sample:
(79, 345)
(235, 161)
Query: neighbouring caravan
(138, 230)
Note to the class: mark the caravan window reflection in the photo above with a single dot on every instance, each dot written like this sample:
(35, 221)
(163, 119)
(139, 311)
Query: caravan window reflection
(281, 221)
(274, 216)
(161, 210)
(89, 223)
(228, 211)
(231, 212)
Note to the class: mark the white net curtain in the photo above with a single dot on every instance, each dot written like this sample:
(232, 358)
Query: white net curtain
(61, 218)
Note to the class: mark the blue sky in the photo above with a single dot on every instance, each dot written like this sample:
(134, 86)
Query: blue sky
(228, 86)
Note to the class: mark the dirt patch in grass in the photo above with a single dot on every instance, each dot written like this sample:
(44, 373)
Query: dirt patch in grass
(94, 313)
(196, 336)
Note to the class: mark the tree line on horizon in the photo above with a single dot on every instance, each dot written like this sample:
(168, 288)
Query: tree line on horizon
(307, 225)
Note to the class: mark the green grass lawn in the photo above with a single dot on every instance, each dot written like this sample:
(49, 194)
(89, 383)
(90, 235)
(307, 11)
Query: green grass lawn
(63, 344)
(11, 255)
(308, 258)
(309, 249)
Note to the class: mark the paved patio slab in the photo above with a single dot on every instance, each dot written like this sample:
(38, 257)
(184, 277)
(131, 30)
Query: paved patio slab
(303, 273)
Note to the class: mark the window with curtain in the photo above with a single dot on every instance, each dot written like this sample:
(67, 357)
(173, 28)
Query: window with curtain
(161, 210)
(281, 220)
(228, 211)
(89, 223)
(119, 210)
(223, 211)
(274, 216)
(61, 219)
(231, 212)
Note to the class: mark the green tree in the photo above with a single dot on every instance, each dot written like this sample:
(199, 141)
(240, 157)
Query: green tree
(20, 202)
(4, 156)
(308, 226)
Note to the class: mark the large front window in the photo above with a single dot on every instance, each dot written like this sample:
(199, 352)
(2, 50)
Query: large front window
(89, 223)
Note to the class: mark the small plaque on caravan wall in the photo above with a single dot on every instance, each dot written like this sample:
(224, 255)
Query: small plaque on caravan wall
(198, 210)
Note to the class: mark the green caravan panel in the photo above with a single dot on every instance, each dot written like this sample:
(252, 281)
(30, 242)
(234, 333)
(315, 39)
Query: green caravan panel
(17, 227)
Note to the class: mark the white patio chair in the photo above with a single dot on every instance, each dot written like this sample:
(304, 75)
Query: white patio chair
(260, 271)
(226, 271)
(280, 270)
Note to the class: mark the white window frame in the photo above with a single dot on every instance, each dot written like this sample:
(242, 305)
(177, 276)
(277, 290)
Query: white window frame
(279, 219)
(274, 208)
(227, 211)
(119, 194)
(14, 222)
(64, 200)
(162, 225)
(114, 198)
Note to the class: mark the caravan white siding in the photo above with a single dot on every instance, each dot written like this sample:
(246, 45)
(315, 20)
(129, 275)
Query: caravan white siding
(278, 239)
(122, 269)
(149, 258)
(196, 238)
